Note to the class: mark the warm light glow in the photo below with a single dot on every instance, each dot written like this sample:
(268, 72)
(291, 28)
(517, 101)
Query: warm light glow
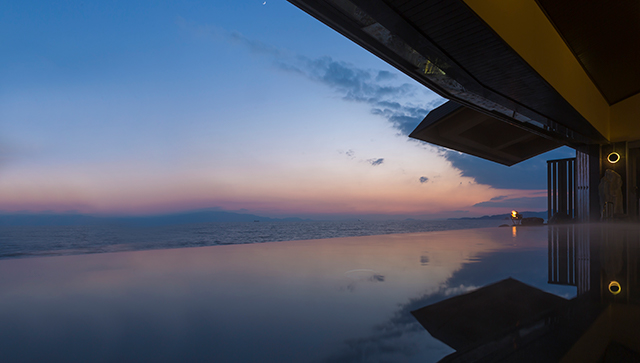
(514, 234)
(614, 287)
(613, 157)
(514, 214)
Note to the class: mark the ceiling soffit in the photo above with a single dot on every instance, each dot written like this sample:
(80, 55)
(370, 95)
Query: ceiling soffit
(463, 129)
(604, 36)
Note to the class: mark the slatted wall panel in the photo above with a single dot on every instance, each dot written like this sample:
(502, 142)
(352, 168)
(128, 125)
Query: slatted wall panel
(562, 255)
(582, 187)
(561, 187)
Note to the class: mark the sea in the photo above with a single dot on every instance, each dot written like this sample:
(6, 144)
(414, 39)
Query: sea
(35, 241)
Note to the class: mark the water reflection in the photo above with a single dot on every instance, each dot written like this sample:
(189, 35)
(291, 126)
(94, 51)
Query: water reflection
(601, 324)
(344, 299)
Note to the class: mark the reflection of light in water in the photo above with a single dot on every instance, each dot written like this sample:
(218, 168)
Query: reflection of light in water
(513, 231)
(358, 274)
(358, 270)
(614, 287)
(364, 274)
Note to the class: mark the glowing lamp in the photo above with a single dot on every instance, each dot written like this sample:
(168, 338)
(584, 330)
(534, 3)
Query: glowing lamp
(613, 157)
(614, 287)
(515, 217)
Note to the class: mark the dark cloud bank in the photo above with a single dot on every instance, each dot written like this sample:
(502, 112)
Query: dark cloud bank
(533, 203)
(529, 174)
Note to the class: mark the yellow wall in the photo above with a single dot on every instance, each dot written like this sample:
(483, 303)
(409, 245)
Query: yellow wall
(625, 119)
(523, 25)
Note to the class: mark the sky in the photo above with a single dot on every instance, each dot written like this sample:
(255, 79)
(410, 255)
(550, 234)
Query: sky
(152, 107)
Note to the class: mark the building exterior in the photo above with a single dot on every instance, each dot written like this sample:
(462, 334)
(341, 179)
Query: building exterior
(523, 77)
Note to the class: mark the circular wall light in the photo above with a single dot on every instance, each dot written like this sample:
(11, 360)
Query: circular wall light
(613, 157)
(614, 287)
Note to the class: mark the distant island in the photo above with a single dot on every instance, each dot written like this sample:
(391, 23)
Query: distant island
(542, 215)
(76, 219)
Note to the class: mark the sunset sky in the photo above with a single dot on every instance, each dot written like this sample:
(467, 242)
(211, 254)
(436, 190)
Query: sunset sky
(151, 107)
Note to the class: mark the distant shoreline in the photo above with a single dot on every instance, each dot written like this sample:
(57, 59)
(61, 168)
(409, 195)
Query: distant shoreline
(201, 216)
(542, 215)
(76, 219)
(40, 241)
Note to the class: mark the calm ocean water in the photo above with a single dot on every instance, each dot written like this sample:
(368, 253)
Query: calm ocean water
(31, 241)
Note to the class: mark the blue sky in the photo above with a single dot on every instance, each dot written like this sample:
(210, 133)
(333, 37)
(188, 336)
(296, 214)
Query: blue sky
(153, 107)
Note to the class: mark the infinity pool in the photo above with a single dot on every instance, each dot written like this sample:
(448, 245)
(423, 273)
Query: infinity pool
(329, 300)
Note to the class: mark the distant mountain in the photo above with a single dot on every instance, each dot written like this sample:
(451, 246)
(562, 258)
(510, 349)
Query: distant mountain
(52, 219)
(47, 219)
(201, 217)
(542, 215)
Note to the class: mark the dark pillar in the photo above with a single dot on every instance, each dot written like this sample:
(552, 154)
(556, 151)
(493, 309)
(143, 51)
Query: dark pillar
(594, 181)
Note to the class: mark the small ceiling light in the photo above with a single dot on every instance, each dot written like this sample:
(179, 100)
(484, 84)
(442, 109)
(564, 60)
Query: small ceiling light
(613, 157)
(614, 287)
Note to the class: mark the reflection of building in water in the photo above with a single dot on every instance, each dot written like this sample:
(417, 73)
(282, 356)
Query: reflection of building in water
(582, 254)
(521, 323)
(569, 257)
(611, 273)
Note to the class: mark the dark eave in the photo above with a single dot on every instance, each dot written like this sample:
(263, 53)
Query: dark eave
(604, 37)
(445, 46)
(460, 128)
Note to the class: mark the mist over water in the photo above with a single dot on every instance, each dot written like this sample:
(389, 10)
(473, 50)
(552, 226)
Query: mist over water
(31, 241)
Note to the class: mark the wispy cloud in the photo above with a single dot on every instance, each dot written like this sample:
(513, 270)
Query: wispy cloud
(385, 76)
(380, 89)
(423, 179)
(255, 46)
(403, 104)
(376, 162)
(351, 154)
(367, 86)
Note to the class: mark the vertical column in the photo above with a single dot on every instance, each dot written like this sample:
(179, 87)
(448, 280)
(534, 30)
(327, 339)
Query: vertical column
(550, 232)
(582, 186)
(563, 251)
(593, 182)
(549, 194)
(562, 187)
(554, 193)
(572, 188)
(571, 254)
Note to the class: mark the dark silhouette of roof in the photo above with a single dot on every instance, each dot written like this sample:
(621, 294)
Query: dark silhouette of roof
(448, 48)
(463, 129)
(487, 313)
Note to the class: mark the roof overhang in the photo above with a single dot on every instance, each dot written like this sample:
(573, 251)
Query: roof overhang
(466, 130)
(447, 47)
